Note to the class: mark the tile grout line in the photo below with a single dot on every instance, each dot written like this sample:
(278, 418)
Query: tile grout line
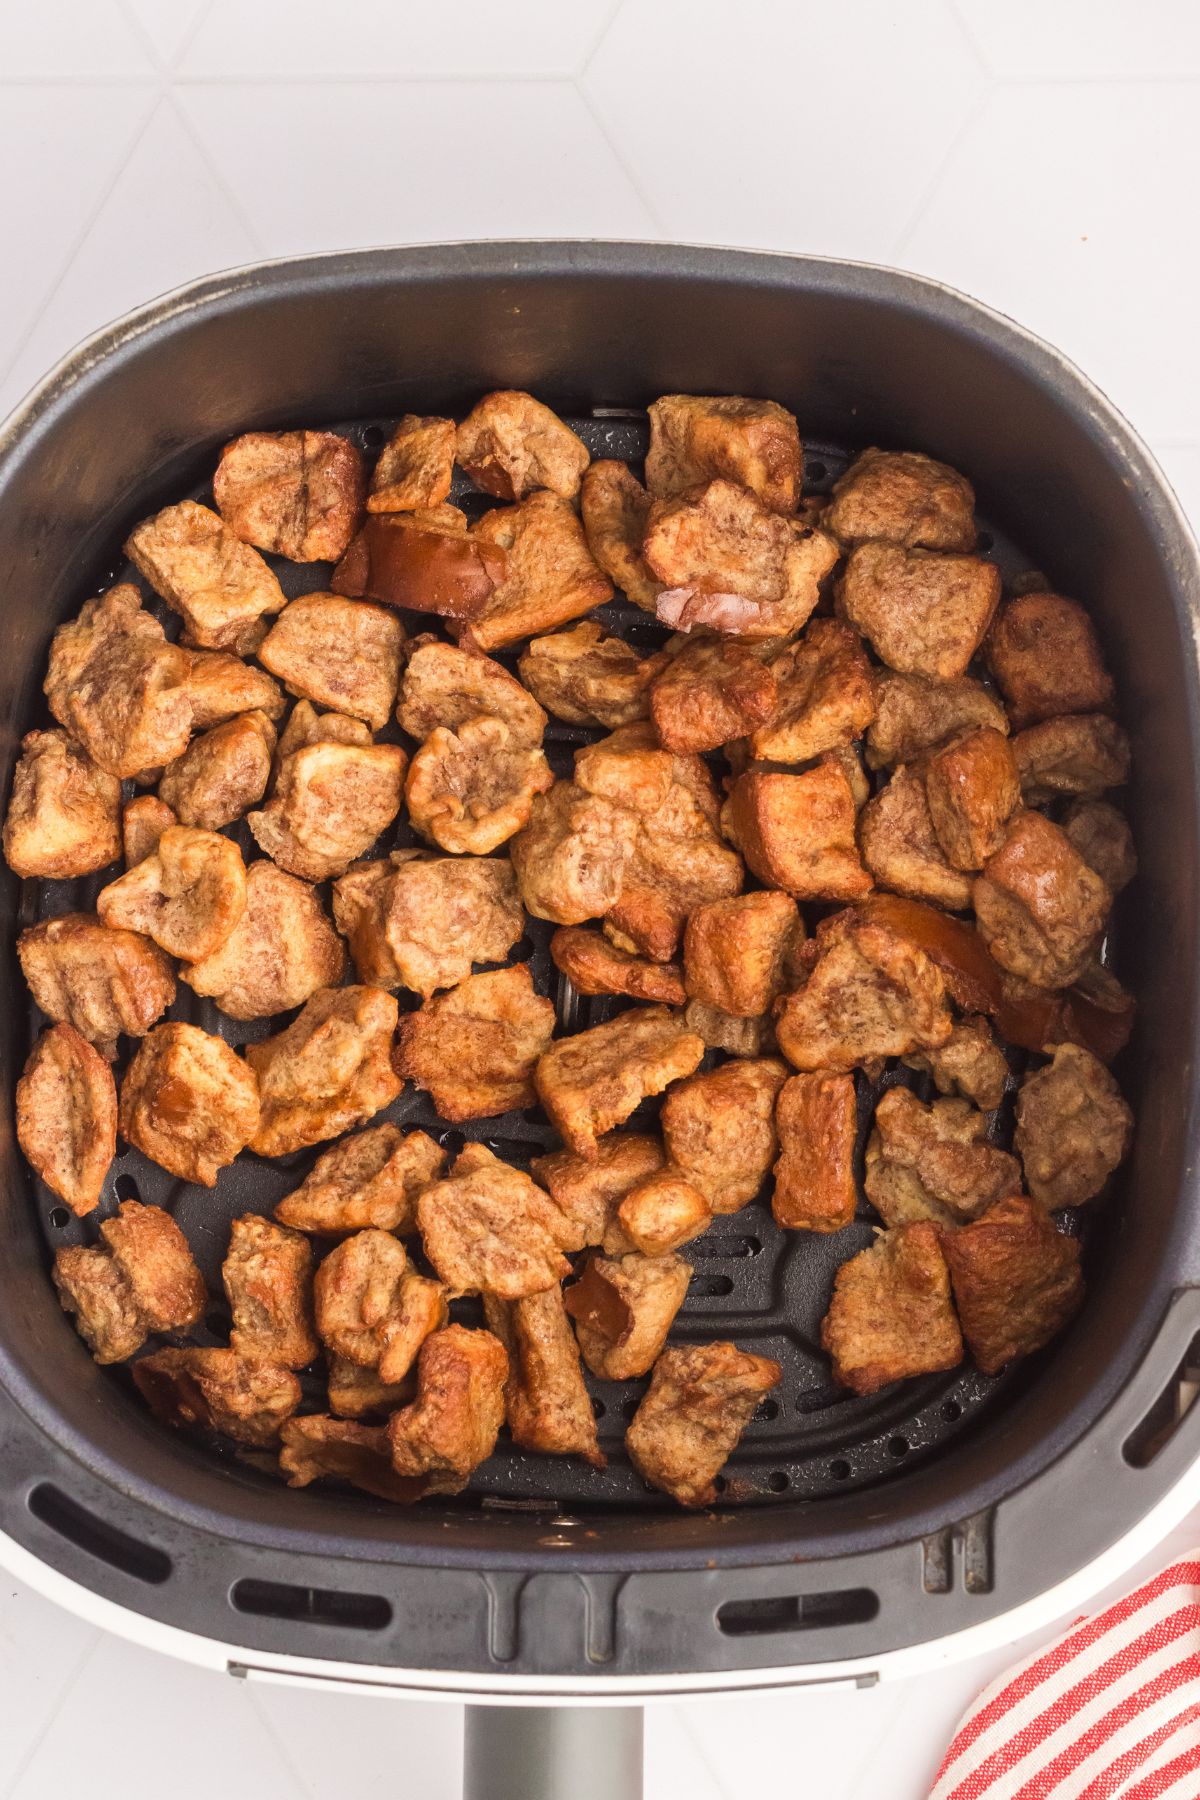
(697, 1743)
(189, 37)
(970, 40)
(142, 35)
(188, 127)
(98, 1638)
(900, 243)
(279, 1743)
(81, 236)
(618, 157)
(614, 10)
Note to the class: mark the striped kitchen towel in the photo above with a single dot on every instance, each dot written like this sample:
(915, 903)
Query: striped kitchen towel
(1111, 1711)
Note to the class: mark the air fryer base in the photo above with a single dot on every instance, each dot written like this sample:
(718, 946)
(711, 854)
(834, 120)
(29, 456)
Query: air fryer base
(1031, 1510)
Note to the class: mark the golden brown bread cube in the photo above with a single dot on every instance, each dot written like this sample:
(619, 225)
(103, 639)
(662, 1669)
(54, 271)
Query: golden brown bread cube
(470, 790)
(222, 773)
(280, 952)
(101, 981)
(728, 561)
(419, 921)
(712, 691)
(677, 860)
(934, 1162)
(719, 1129)
(67, 1116)
(700, 1399)
(427, 560)
(593, 1081)
(188, 1102)
(615, 507)
(903, 497)
(890, 1316)
(658, 1215)
(623, 1308)
(726, 1031)
(452, 1425)
(589, 678)
(487, 1228)
(187, 895)
(1073, 1128)
(1102, 837)
(970, 1063)
(331, 802)
(356, 1392)
(825, 695)
(900, 846)
(1046, 658)
(297, 493)
(415, 466)
(871, 994)
(695, 437)
(268, 1278)
(1016, 1281)
(221, 589)
(305, 726)
(972, 789)
(916, 713)
(922, 613)
(317, 1447)
(570, 860)
(1040, 908)
(588, 1190)
(594, 966)
(372, 1179)
(143, 821)
(736, 951)
(328, 1071)
(340, 653)
(64, 811)
(550, 576)
(142, 1277)
(474, 1049)
(219, 686)
(510, 444)
(446, 685)
(372, 1308)
(118, 686)
(797, 832)
(545, 1401)
(1085, 754)
(816, 1119)
(244, 1398)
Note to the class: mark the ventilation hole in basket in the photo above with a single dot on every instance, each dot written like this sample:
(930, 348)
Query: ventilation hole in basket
(815, 471)
(59, 1216)
(312, 1606)
(797, 1612)
(629, 1407)
(598, 1408)
(522, 950)
(839, 1470)
(96, 1537)
(533, 1115)
(1164, 1416)
(217, 1322)
(767, 1409)
(984, 541)
(951, 1411)
(720, 1484)
(127, 1188)
(374, 437)
(715, 1287)
(778, 1482)
(898, 1447)
(725, 1247)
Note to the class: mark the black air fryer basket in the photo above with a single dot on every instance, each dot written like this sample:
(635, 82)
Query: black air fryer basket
(849, 1530)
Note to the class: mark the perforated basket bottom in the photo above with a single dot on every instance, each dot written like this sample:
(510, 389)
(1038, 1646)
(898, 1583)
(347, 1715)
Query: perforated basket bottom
(765, 1288)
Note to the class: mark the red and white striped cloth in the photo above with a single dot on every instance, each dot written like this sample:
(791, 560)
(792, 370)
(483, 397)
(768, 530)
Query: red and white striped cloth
(1109, 1712)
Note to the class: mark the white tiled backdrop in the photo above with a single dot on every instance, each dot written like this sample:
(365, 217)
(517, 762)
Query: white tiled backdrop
(1042, 154)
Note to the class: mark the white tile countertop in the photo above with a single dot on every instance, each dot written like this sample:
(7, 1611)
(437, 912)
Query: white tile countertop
(1044, 155)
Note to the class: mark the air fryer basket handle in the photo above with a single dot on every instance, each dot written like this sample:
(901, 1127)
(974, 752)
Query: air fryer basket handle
(552, 1753)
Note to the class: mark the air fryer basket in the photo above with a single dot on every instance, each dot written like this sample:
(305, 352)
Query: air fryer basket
(848, 1527)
